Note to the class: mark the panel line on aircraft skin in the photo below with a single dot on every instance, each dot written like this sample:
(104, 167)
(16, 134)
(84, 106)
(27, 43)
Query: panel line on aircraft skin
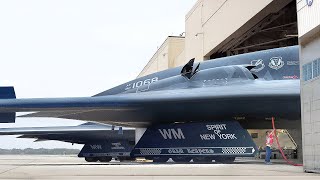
(58, 109)
(194, 147)
(77, 113)
(107, 154)
(218, 154)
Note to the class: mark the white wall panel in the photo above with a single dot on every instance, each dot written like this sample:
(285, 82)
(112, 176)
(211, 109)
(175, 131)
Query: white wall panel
(308, 16)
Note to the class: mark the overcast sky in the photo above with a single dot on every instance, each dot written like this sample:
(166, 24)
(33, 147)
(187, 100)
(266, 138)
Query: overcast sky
(70, 48)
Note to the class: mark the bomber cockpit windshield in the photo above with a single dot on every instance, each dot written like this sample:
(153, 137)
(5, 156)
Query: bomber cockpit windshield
(223, 75)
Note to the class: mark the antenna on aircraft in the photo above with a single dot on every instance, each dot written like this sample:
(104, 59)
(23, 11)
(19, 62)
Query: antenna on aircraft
(187, 70)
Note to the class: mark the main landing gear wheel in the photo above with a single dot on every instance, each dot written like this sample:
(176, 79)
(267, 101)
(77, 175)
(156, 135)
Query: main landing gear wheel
(105, 159)
(160, 159)
(126, 158)
(91, 159)
(202, 159)
(181, 159)
(225, 160)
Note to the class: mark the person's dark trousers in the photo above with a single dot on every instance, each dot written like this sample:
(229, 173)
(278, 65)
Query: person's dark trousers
(268, 154)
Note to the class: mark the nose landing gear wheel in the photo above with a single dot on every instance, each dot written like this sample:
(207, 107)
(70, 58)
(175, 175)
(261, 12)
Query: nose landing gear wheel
(105, 159)
(181, 159)
(225, 160)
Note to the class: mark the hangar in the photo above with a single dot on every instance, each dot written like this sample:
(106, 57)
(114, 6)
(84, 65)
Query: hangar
(309, 39)
(222, 28)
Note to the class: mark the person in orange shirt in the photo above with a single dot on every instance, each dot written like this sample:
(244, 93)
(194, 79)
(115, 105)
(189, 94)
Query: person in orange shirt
(269, 142)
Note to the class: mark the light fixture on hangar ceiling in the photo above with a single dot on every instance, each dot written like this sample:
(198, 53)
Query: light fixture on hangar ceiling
(291, 35)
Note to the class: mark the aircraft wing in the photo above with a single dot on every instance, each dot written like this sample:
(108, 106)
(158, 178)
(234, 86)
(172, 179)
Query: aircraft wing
(88, 132)
(259, 99)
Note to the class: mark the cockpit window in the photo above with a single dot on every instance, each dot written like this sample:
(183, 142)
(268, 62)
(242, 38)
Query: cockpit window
(220, 74)
(238, 73)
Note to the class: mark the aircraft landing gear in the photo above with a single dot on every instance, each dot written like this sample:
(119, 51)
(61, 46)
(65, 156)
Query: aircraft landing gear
(181, 159)
(91, 159)
(125, 158)
(160, 159)
(202, 159)
(225, 160)
(105, 159)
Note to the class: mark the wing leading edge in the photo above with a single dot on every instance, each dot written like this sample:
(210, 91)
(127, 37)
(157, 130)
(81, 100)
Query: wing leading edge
(81, 134)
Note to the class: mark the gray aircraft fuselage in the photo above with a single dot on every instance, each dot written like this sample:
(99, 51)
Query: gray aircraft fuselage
(224, 88)
(289, 70)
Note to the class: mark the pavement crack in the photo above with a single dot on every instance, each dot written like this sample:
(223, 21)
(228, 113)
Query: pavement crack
(16, 167)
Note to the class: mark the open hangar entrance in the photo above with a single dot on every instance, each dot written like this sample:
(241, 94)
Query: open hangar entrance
(276, 29)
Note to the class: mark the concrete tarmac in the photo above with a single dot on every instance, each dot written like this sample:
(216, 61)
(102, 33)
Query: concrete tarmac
(72, 167)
